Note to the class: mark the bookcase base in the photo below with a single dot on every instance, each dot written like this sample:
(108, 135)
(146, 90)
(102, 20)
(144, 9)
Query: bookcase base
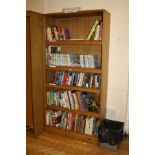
(73, 135)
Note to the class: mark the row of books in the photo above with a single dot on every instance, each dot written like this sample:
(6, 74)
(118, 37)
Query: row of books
(77, 79)
(95, 32)
(74, 122)
(55, 32)
(54, 57)
(73, 100)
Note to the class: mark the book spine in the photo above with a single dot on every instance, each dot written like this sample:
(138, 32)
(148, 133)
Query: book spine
(92, 30)
(97, 32)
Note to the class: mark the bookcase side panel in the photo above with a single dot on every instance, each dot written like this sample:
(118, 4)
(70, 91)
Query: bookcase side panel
(36, 29)
(105, 62)
(45, 23)
(29, 104)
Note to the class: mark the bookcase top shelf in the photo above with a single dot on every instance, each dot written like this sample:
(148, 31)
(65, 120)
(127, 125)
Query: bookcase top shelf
(75, 42)
(52, 107)
(84, 89)
(74, 69)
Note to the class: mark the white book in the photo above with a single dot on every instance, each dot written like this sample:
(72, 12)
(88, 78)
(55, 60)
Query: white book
(47, 118)
(97, 32)
(89, 61)
(71, 99)
(69, 61)
(89, 125)
(49, 32)
(86, 60)
(92, 61)
(81, 61)
(92, 29)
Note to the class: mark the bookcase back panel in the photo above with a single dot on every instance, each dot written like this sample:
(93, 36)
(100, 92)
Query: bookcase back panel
(79, 27)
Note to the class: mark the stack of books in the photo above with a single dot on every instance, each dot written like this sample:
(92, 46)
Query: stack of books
(54, 57)
(71, 99)
(55, 32)
(74, 122)
(53, 118)
(96, 31)
(77, 79)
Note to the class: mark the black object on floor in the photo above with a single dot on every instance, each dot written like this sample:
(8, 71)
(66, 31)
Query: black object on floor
(110, 132)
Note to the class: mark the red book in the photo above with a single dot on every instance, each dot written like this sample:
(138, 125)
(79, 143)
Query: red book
(71, 121)
(50, 120)
(64, 81)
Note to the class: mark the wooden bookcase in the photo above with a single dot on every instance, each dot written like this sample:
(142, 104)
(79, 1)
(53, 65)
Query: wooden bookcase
(79, 25)
(34, 73)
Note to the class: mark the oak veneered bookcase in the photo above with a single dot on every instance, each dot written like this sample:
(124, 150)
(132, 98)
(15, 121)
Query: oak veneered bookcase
(79, 25)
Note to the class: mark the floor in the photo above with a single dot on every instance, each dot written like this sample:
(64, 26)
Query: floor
(48, 144)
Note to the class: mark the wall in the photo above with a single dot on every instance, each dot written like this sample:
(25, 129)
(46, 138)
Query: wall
(118, 54)
(35, 5)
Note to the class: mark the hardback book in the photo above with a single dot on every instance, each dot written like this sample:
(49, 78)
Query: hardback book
(48, 98)
(75, 122)
(71, 121)
(80, 79)
(56, 77)
(63, 122)
(63, 33)
(85, 100)
(76, 105)
(96, 61)
(67, 100)
(47, 117)
(64, 104)
(75, 81)
(81, 61)
(49, 36)
(52, 98)
(91, 81)
(59, 33)
(95, 127)
(52, 118)
(92, 61)
(61, 99)
(71, 99)
(89, 61)
(53, 33)
(89, 125)
(86, 61)
(92, 29)
(78, 94)
(71, 60)
(64, 80)
(81, 124)
(97, 32)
